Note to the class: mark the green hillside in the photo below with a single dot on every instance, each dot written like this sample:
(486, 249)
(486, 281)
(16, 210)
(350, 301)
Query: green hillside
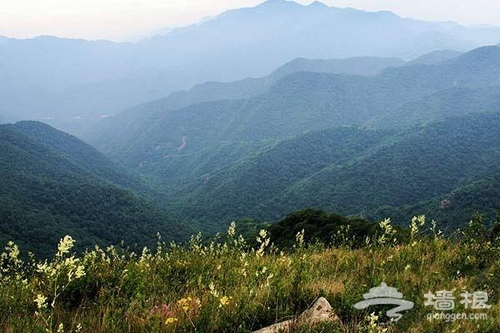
(80, 158)
(455, 207)
(53, 185)
(361, 172)
(425, 162)
(253, 185)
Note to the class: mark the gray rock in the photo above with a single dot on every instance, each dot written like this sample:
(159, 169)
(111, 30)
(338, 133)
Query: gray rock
(319, 312)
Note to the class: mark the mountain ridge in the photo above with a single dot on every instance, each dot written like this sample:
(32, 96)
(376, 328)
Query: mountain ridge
(297, 102)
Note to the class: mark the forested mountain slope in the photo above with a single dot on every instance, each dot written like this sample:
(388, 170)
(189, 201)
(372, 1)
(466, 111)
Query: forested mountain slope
(53, 185)
(203, 156)
(445, 162)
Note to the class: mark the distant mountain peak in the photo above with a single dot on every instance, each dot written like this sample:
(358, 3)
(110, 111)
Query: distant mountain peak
(278, 3)
(318, 4)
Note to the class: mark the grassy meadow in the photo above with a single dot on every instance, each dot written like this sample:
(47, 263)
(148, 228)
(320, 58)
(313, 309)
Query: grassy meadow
(226, 285)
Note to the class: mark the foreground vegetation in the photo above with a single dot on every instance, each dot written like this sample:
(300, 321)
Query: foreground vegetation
(225, 285)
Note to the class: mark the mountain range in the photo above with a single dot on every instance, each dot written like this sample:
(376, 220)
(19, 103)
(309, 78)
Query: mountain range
(248, 116)
(288, 105)
(315, 139)
(73, 83)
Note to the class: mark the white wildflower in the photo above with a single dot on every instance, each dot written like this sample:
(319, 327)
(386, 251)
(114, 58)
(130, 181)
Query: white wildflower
(232, 230)
(40, 301)
(65, 245)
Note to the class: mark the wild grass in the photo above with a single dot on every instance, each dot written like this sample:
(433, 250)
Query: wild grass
(229, 286)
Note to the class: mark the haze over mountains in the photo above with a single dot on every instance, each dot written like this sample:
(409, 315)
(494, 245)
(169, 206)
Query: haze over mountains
(281, 107)
(72, 83)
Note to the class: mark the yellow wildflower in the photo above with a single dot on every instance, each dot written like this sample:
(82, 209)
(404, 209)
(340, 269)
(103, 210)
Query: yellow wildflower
(170, 320)
(184, 303)
(224, 300)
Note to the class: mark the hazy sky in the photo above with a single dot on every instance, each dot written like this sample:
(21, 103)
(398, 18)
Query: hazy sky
(129, 19)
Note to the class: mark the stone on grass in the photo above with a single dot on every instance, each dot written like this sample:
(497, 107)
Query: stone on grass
(321, 311)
